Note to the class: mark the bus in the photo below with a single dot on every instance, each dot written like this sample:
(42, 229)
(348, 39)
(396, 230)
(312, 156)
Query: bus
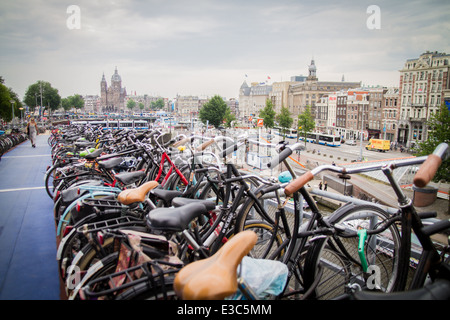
(323, 139)
(117, 124)
(290, 133)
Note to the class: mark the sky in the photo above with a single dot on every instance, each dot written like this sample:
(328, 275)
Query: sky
(208, 47)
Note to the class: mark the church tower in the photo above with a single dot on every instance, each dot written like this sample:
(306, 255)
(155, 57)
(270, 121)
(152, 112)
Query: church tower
(113, 97)
(104, 91)
(312, 71)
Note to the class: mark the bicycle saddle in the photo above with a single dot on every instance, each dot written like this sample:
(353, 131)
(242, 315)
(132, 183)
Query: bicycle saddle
(130, 196)
(215, 278)
(109, 164)
(174, 219)
(129, 177)
(166, 195)
(93, 155)
(178, 202)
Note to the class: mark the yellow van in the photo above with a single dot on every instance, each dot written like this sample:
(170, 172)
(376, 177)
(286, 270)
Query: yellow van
(379, 144)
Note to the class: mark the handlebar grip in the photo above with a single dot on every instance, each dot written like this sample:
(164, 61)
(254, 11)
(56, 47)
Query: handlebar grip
(296, 184)
(280, 157)
(204, 145)
(181, 142)
(229, 150)
(436, 227)
(427, 170)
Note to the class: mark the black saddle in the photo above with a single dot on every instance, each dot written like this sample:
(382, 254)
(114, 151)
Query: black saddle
(166, 195)
(174, 219)
(128, 178)
(93, 155)
(179, 202)
(70, 195)
(110, 164)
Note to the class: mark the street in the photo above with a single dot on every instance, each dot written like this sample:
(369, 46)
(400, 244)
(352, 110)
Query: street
(350, 153)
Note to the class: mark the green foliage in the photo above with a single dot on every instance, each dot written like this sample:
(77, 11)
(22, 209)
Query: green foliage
(215, 111)
(229, 118)
(76, 101)
(6, 96)
(268, 114)
(50, 96)
(157, 105)
(131, 104)
(306, 122)
(284, 119)
(438, 132)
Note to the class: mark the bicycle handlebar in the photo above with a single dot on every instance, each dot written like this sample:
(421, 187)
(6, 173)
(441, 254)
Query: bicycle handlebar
(204, 145)
(428, 169)
(426, 174)
(284, 154)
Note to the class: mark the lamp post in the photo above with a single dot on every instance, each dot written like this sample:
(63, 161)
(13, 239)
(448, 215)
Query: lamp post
(21, 116)
(12, 109)
(362, 133)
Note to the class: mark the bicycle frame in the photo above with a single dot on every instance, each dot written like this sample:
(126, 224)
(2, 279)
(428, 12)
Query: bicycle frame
(411, 222)
(165, 157)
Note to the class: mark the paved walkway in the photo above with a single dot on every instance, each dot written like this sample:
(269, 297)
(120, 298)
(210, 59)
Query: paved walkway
(28, 267)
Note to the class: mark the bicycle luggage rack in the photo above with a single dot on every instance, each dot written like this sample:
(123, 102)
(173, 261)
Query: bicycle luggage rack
(154, 282)
(92, 188)
(111, 224)
(102, 203)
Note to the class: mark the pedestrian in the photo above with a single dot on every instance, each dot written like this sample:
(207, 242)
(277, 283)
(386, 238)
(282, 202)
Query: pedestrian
(32, 131)
(320, 185)
(325, 186)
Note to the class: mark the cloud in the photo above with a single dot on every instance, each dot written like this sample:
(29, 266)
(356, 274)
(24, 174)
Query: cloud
(206, 47)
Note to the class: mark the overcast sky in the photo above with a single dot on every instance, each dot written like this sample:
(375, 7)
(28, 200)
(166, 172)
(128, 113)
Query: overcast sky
(170, 47)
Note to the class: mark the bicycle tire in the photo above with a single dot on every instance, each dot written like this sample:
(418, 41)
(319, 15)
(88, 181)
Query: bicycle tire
(49, 187)
(102, 267)
(326, 254)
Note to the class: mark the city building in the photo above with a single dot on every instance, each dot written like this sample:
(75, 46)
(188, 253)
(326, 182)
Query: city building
(309, 92)
(113, 96)
(252, 99)
(187, 107)
(357, 114)
(91, 103)
(375, 118)
(390, 112)
(341, 114)
(279, 93)
(424, 86)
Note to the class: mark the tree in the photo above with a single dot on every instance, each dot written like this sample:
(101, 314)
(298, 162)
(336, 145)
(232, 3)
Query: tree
(284, 119)
(76, 101)
(6, 96)
(131, 104)
(157, 105)
(306, 122)
(42, 89)
(215, 111)
(268, 114)
(438, 132)
(229, 118)
(141, 106)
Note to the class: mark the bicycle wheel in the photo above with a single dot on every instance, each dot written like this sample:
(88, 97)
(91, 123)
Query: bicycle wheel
(264, 207)
(49, 176)
(334, 266)
(268, 242)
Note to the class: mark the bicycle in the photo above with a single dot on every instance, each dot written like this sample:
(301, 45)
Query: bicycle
(299, 237)
(373, 249)
(192, 285)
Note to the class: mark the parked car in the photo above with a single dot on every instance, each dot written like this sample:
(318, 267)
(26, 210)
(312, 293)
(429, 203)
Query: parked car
(351, 142)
